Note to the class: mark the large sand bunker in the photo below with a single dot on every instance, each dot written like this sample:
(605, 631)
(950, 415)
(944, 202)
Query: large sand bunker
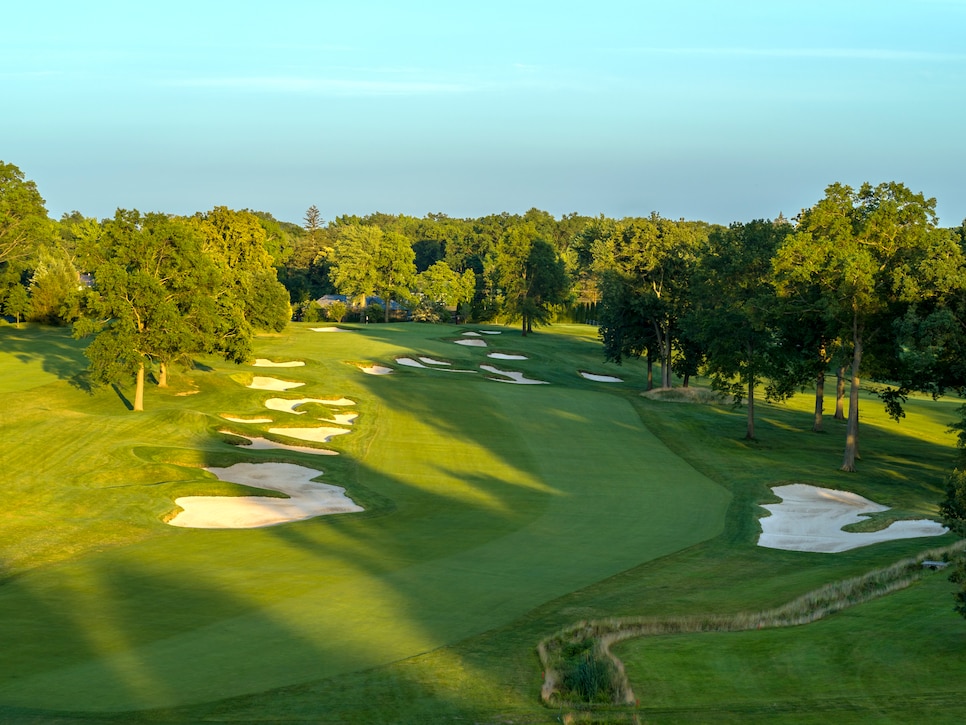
(235, 419)
(471, 342)
(375, 369)
(600, 378)
(288, 405)
(265, 363)
(264, 444)
(307, 499)
(321, 434)
(506, 356)
(512, 376)
(262, 383)
(328, 329)
(435, 365)
(810, 518)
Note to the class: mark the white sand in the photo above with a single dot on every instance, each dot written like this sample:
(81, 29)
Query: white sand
(264, 444)
(375, 369)
(307, 499)
(490, 332)
(410, 362)
(288, 406)
(471, 333)
(233, 419)
(328, 329)
(600, 378)
(344, 418)
(264, 363)
(514, 377)
(506, 356)
(810, 518)
(433, 361)
(472, 342)
(263, 383)
(322, 434)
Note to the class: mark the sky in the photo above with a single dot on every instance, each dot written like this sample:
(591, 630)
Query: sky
(697, 109)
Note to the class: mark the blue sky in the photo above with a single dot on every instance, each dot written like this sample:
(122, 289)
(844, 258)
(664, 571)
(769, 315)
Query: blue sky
(722, 111)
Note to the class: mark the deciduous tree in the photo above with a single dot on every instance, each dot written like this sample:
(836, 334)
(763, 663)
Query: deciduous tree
(873, 253)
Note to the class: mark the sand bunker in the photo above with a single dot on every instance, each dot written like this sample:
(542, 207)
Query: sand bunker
(321, 434)
(810, 518)
(471, 333)
(433, 361)
(287, 405)
(344, 418)
(233, 419)
(264, 444)
(375, 369)
(262, 383)
(472, 342)
(514, 377)
(411, 363)
(506, 356)
(307, 499)
(600, 378)
(490, 332)
(328, 329)
(264, 363)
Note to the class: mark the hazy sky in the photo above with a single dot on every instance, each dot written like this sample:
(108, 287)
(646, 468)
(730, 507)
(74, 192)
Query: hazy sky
(703, 109)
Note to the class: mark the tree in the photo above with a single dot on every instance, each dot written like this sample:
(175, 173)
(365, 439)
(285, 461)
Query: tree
(872, 253)
(648, 263)
(733, 311)
(251, 293)
(152, 279)
(367, 261)
(16, 302)
(24, 224)
(529, 275)
(441, 284)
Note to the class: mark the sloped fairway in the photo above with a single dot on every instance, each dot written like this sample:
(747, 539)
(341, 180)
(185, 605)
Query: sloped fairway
(483, 501)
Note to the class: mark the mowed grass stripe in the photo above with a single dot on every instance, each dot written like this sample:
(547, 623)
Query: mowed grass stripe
(534, 493)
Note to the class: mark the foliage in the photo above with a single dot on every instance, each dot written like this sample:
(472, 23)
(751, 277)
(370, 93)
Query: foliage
(732, 312)
(16, 302)
(24, 225)
(528, 275)
(336, 311)
(369, 261)
(871, 253)
(645, 268)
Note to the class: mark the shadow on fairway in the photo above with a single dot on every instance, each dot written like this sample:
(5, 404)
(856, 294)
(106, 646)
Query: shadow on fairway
(52, 349)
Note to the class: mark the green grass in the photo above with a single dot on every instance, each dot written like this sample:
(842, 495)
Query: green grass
(496, 514)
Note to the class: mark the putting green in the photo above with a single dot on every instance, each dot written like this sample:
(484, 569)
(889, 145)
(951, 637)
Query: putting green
(504, 497)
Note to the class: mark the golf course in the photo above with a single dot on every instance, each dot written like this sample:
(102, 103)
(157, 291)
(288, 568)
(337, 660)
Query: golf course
(449, 506)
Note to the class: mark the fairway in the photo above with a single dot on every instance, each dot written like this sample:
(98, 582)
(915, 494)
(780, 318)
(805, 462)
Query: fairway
(484, 500)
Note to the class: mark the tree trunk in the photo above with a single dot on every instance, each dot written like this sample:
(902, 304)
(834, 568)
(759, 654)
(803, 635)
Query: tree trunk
(523, 325)
(163, 375)
(139, 389)
(852, 428)
(650, 373)
(687, 380)
(840, 393)
(750, 432)
(387, 309)
(819, 402)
